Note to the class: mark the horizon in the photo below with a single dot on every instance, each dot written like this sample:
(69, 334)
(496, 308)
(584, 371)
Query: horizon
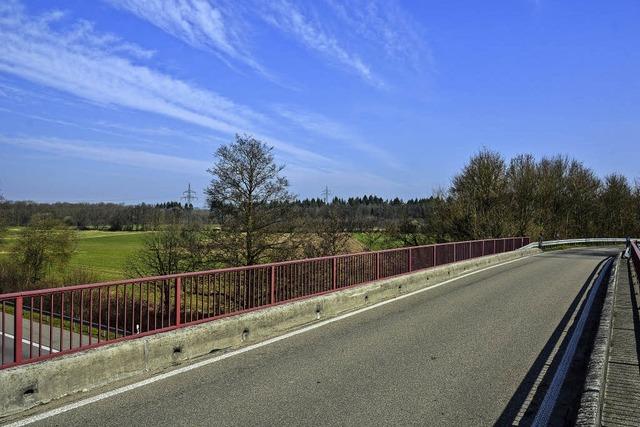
(115, 101)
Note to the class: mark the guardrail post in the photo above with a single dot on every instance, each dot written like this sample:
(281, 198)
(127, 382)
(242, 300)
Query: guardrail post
(17, 333)
(334, 273)
(410, 261)
(178, 300)
(273, 284)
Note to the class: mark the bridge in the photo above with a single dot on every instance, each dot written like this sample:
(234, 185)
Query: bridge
(467, 333)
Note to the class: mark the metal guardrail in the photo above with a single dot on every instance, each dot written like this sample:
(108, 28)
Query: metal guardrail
(585, 241)
(56, 321)
(634, 252)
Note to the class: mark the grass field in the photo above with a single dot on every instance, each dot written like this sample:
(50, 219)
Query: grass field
(105, 253)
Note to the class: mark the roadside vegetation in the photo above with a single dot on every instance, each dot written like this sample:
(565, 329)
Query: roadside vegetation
(252, 218)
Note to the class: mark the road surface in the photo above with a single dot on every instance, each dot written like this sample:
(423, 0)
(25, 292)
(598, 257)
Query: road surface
(461, 354)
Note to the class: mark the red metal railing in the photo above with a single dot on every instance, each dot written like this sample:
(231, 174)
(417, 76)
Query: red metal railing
(50, 322)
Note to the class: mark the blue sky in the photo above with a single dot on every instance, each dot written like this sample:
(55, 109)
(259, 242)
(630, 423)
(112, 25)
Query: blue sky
(127, 100)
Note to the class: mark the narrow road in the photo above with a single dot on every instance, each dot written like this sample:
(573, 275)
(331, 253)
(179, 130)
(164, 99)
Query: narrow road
(455, 355)
(31, 342)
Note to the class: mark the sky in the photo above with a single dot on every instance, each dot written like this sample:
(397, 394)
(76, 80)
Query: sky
(127, 100)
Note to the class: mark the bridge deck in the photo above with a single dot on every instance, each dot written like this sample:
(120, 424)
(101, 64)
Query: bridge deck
(621, 406)
(466, 353)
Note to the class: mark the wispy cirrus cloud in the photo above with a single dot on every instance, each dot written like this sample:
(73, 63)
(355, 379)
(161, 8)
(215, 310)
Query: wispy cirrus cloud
(85, 65)
(328, 128)
(198, 23)
(290, 19)
(386, 25)
(100, 152)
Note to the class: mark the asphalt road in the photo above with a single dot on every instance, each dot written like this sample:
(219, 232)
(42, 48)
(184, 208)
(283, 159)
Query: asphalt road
(33, 339)
(455, 355)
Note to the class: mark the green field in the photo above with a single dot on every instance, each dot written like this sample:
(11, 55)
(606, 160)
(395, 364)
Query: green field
(104, 253)
(376, 241)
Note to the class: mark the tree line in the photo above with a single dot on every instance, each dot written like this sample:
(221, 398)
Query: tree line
(102, 216)
(253, 218)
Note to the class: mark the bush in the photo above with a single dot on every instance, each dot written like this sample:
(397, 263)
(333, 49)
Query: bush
(12, 278)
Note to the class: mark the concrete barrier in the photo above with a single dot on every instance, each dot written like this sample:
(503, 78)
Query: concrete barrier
(28, 385)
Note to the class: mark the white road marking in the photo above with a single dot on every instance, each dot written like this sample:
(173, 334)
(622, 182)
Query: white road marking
(35, 344)
(164, 376)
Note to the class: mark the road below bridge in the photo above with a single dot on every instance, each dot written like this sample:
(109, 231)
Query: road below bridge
(461, 354)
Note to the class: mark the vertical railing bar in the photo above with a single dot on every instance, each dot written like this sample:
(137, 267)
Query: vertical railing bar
(17, 333)
(51, 322)
(139, 327)
(81, 315)
(178, 299)
(39, 328)
(61, 335)
(31, 328)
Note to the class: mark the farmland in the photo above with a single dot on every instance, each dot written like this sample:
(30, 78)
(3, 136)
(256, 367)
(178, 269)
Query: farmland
(104, 253)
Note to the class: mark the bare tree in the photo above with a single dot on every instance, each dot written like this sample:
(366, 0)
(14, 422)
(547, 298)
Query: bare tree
(522, 186)
(329, 235)
(45, 244)
(616, 204)
(581, 210)
(479, 193)
(250, 200)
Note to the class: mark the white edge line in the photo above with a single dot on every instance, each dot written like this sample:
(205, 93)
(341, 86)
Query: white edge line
(160, 377)
(33, 343)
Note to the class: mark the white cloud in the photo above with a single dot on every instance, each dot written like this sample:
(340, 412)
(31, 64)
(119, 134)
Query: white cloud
(384, 24)
(289, 19)
(77, 62)
(197, 23)
(329, 128)
(98, 152)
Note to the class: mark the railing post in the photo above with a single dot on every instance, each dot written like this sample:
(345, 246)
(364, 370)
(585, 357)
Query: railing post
(17, 325)
(454, 252)
(377, 265)
(178, 300)
(334, 273)
(483, 242)
(410, 261)
(273, 284)
(434, 255)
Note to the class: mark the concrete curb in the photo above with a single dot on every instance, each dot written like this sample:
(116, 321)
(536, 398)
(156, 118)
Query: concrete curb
(29, 385)
(590, 410)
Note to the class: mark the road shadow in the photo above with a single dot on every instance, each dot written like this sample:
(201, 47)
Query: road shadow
(509, 415)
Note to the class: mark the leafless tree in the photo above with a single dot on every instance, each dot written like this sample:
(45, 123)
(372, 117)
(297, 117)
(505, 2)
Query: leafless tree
(250, 200)
(42, 246)
(479, 195)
